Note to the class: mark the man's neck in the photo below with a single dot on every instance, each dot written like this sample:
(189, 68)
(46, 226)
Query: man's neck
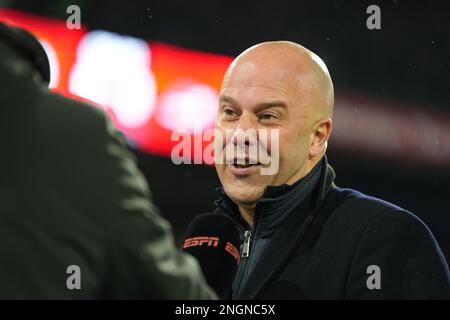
(247, 214)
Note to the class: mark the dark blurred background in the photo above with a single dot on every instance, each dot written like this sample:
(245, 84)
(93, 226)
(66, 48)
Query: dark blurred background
(405, 63)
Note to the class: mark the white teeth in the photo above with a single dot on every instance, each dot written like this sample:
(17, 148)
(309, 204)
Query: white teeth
(243, 165)
(245, 162)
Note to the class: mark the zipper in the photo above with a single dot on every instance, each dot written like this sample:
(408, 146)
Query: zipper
(246, 257)
(246, 247)
(243, 264)
(247, 242)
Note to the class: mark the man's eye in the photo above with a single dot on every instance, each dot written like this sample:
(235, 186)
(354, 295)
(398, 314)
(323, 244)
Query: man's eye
(229, 112)
(267, 116)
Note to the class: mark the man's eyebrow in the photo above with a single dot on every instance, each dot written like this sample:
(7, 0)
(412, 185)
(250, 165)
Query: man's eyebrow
(259, 106)
(271, 104)
(227, 99)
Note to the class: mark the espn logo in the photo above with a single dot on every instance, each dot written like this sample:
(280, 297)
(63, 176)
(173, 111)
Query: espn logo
(199, 241)
(211, 242)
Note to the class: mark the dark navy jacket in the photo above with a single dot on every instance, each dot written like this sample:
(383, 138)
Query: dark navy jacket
(314, 240)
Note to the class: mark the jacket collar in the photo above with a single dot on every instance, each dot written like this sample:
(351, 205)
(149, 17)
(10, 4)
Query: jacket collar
(278, 201)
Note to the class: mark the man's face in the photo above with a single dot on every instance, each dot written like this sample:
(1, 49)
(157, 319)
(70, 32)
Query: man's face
(264, 98)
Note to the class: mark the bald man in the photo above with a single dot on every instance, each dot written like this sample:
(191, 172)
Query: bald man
(302, 236)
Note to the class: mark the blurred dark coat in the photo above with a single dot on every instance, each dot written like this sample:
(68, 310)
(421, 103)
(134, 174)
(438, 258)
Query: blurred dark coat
(71, 194)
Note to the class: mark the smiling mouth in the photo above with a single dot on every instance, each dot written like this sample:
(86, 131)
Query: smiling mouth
(245, 163)
(244, 170)
(241, 166)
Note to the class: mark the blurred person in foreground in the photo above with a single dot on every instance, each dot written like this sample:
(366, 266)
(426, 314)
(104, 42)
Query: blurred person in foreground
(302, 236)
(72, 198)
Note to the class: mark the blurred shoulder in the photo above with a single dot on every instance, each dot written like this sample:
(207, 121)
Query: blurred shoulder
(358, 210)
(78, 132)
(63, 115)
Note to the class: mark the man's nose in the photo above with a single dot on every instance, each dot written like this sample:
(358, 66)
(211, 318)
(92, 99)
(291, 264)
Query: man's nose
(246, 129)
(246, 121)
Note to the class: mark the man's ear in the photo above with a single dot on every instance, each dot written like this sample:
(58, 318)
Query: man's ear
(319, 137)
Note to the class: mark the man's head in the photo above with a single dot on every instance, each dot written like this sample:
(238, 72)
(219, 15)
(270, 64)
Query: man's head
(20, 50)
(275, 85)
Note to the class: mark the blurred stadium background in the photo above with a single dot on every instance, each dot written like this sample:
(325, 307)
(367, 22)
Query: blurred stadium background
(156, 66)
